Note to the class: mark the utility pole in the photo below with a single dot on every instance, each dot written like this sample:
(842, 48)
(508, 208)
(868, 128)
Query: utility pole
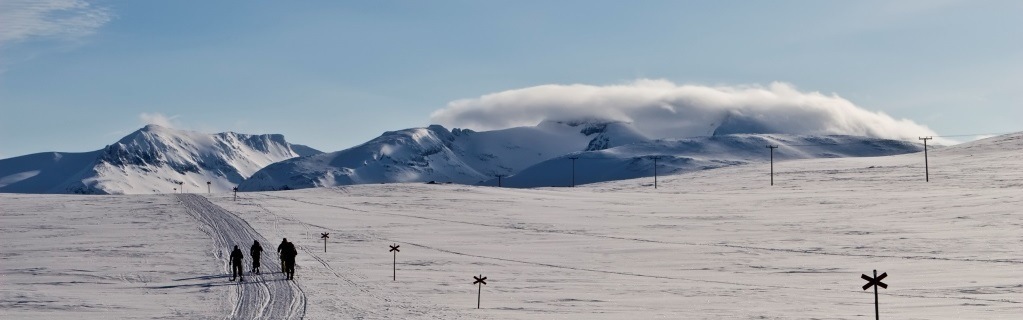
(499, 180)
(573, 169)
(772, 162)
(927, 169)
(655, 171)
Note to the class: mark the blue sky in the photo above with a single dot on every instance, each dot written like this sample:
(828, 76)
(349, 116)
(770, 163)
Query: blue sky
(332, 74)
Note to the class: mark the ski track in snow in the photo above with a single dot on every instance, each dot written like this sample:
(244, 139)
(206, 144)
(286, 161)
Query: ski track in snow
(264, 296)
(361, 301)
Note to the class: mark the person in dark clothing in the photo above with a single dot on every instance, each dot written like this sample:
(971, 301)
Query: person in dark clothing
(236, 264)
(280, 248)
(288, 253)
(255, 251)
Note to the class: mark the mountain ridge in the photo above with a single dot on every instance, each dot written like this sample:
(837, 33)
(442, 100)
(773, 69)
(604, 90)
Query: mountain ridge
(434, 153)
(152, 159)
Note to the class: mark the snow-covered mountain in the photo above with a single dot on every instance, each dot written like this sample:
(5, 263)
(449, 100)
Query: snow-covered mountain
(699, 153)
(436, 154)
(536, 156)
(153, 159)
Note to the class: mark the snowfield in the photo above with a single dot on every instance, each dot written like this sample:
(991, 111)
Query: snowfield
(712, 244)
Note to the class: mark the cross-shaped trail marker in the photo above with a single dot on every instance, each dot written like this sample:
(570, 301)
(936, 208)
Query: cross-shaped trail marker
(875, 282)
(394, 248)
(324, 235)
(481, 280)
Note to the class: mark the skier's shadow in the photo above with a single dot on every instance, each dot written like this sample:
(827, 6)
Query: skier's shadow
(209, 277)
(214, 280)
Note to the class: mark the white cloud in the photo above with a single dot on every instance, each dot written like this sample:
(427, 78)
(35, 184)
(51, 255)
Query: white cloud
(63, 19)
(160, 120)
(663, 109)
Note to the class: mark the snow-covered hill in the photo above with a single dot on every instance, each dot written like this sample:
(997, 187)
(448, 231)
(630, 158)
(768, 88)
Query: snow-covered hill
(153, 159)
(691, 154)
(537, 156)
(436, 154)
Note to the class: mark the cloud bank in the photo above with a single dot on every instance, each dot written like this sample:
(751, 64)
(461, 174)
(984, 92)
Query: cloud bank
(662, 109)
(68, 19)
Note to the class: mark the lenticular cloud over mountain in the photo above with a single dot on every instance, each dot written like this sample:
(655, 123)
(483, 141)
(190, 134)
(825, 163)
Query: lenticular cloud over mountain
(663, 109)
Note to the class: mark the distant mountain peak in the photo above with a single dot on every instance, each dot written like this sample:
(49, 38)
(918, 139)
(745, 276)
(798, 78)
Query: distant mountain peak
(153, 159)
(153, 127)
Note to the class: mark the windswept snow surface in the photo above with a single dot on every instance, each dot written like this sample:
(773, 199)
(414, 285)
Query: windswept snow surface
(108, 257)
(711, 244)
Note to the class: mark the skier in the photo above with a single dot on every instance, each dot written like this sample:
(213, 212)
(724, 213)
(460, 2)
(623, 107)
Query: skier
(288, 253)
(255, 251)
(280, 248)
(236, 264)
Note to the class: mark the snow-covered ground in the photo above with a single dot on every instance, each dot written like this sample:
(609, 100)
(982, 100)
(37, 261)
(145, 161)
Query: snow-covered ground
(714, 244)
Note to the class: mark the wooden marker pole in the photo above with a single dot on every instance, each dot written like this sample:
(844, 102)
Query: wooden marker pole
(394, 265)
(875, 282)
(481, 280)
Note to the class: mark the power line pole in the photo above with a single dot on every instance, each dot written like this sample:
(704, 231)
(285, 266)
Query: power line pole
(573, 170)
(772, 162)
(927, 169)
(655, 171)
